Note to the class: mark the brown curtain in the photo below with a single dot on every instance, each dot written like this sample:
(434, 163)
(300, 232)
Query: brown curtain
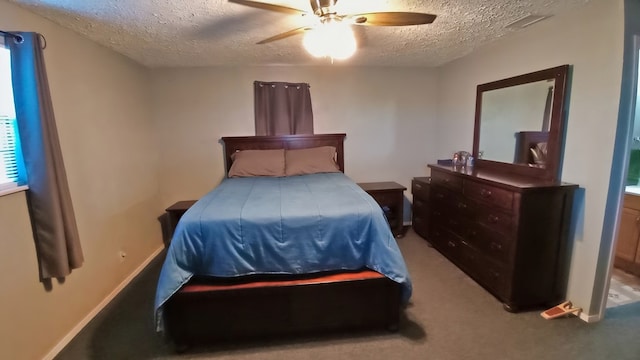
(282, 108)
(52, 217)
(547, 110)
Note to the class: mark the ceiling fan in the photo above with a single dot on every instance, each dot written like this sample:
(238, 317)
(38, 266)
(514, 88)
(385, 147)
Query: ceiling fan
(327, 14)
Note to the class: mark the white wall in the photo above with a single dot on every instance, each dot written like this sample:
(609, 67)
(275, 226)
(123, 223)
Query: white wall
(102, 106)
(388, 115)
(636, 127)
(591, 40)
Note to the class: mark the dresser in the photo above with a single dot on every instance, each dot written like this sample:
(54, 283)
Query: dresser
(507, 232)
(420, 187)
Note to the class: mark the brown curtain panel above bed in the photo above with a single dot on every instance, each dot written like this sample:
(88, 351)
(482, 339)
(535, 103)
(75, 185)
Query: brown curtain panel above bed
(282, 108)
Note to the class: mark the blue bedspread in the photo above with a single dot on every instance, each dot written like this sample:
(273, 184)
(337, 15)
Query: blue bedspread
(288, 225)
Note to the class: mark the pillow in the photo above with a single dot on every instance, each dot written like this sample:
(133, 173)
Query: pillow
(311, 161)
(257, 163)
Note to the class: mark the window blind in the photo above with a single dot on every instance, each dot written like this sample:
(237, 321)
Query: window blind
(9, 145)
(8, 161)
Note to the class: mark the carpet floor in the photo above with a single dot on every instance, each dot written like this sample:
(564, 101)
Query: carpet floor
(624, 288)
(449, 317)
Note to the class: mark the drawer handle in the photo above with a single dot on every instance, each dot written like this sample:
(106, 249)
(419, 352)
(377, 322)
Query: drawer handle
(462, 205)
(451, 244)
(418, 203)
(440, 196)
(446, 181)
(493, 219)
(495, 246)
(452, 222)
(437, 213)
(473, 233)
(485, 193)
(418, 186)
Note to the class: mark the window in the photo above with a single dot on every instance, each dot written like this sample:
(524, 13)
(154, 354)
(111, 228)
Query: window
(10, 156)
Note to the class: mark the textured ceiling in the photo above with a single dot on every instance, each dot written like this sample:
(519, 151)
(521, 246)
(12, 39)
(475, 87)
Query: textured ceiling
(176, 33)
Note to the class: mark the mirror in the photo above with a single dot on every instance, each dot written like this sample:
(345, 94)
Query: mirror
(519, 123)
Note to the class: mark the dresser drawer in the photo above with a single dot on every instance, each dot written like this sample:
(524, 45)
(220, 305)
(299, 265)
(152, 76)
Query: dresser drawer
(438, 215)
(488, 194)
(451, 203)
(446, 215)
(389, 199)
(496, 278)
(491, 243)
(492, 218)
(442, 197)
(471, 260)
(446, 242)
(420, 225)
(490, 274)
(420, 207)
(420, 189)
(449, 181)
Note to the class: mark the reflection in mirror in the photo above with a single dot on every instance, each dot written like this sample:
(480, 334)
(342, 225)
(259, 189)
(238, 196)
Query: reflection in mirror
(519, 124)
(515, 123)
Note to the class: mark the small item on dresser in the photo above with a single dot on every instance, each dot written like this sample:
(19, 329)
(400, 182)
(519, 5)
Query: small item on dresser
(470, 161)
(460, 158)
(464, 156)
(456, 159)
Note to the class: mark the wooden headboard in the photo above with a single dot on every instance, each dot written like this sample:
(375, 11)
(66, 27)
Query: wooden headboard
(525, 140)
(237, 143)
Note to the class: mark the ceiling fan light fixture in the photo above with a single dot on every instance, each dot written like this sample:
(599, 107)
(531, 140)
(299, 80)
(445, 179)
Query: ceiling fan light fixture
(333, 36)
(332, 39)
(314, 44)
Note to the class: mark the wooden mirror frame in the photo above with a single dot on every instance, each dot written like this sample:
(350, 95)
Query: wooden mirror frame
(551, 170)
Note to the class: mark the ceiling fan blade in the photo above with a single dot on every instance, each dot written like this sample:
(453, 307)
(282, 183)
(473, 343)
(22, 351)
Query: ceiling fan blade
(272, 7)
(392, 18)
(284, 35)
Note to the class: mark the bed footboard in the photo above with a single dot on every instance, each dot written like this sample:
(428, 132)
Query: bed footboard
(207, 312)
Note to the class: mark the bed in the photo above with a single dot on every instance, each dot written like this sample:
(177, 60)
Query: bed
(263, 256)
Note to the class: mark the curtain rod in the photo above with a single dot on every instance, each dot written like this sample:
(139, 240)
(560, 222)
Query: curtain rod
(16, 37)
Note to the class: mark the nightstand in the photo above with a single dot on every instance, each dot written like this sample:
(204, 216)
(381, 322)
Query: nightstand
(389, 195)
(175, 212)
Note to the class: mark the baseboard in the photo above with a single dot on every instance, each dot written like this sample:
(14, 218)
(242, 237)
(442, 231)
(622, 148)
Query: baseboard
(76, 329)
(589, 318)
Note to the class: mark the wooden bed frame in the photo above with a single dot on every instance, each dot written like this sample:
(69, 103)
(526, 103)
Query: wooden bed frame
(525, 141)
(209, 310)
(238, 143)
